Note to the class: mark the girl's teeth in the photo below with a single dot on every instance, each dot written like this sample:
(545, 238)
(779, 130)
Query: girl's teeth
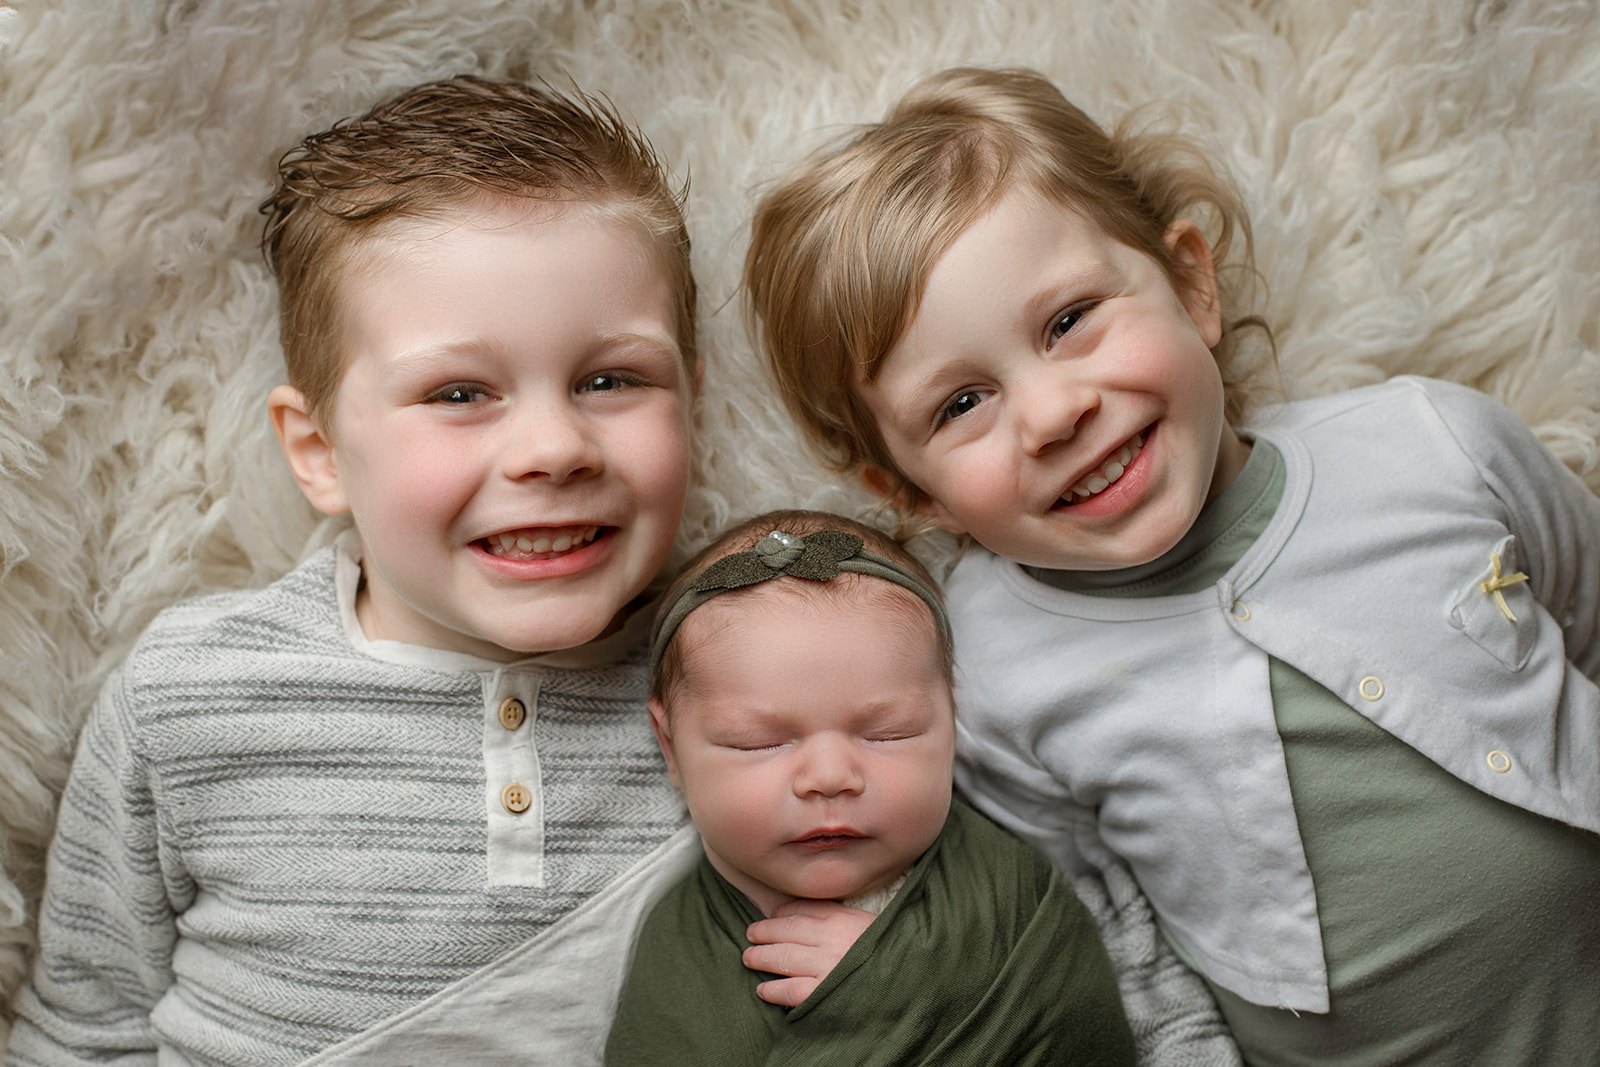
(1109, 471)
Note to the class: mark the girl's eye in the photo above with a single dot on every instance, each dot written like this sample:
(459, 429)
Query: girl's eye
(962, 403)
(1064, 322)
(458, 393)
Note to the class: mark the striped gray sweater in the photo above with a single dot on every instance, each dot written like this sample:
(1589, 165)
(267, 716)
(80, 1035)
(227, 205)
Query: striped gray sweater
(272, 840)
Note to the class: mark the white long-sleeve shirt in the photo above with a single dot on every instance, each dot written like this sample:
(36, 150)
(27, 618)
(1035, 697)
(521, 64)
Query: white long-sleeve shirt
(1142, 729)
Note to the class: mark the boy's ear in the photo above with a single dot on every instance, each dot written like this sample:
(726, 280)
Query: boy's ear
(889, 487)
(663, 729)
(1199, 291)
(307, 449)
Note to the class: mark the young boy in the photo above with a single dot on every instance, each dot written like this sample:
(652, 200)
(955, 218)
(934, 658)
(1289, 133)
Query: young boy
(1327, 680)
(404, 805)
(803, 705)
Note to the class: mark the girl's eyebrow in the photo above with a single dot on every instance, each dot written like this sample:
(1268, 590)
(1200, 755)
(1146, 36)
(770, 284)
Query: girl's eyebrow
(1098, 277)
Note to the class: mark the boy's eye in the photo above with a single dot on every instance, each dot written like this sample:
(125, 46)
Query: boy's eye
(962, 403)
(604, 383)
(457, 393)
(1063, 323)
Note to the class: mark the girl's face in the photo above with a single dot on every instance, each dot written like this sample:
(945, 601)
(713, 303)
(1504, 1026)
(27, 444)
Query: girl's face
(1055, 396)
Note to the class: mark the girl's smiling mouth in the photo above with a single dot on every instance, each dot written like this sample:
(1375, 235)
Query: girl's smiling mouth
(1105, 475)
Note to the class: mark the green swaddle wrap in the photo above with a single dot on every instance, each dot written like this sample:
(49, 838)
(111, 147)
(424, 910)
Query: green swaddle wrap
(985, 956)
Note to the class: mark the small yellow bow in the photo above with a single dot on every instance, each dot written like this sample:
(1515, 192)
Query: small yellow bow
(1496, 582)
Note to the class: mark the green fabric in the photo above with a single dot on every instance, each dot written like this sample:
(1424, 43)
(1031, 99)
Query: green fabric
(1457, 928)
(985, 956)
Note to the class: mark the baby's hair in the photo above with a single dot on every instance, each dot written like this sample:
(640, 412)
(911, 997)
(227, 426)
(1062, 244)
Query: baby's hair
(436, 148)
(840, 251)
(670, 674)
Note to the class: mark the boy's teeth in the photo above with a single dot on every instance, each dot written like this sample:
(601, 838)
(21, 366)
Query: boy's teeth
(528, 544)
(1109, 472)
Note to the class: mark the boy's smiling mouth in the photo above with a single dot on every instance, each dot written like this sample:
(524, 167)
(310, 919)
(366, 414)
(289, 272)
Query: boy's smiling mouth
(1106, 475)
(541, 542)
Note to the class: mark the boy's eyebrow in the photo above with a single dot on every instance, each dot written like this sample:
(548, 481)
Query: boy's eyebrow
(409, 360)
(652, 339)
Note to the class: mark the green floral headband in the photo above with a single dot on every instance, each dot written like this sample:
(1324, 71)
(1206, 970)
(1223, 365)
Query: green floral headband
(818, 557)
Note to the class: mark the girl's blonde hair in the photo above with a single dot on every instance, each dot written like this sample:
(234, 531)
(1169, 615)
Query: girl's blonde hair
(841, 250)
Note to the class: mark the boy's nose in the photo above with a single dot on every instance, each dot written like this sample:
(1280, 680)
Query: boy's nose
(829, 767)
(1051, 409)
(552, 443)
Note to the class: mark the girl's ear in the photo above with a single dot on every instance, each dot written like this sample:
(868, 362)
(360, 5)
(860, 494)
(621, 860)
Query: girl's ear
(663, 729)
(892, 490)
(307, 449)
(1199, 290)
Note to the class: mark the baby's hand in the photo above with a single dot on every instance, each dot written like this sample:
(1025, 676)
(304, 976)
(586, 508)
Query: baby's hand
(804, 939)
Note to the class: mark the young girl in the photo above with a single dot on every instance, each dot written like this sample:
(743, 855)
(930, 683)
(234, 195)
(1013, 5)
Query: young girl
(1324, 677)
(803, 705)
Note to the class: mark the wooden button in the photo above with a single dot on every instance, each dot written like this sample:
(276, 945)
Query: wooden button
(512, 713)
(516, 798)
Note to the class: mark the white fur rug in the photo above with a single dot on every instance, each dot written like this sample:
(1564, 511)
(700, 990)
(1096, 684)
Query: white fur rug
(1422, 175)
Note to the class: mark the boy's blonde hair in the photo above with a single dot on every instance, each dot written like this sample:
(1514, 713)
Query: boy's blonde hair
(435, 148)
(840, 252)
(670, 673)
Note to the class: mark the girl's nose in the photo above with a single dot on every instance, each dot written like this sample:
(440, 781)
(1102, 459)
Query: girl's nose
(1051, 409)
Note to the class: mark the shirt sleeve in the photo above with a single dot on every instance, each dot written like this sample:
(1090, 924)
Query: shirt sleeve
(1554, 515)
(107, 924)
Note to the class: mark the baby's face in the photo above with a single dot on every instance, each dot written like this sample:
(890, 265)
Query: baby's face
(813, 741)
(511, 434)
(1055, 395)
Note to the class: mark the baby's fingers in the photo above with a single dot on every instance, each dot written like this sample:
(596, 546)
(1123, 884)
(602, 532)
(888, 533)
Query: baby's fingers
(789, 959)
(803, 929)
(788, 992)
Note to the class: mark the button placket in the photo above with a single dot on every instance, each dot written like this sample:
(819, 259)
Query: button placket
(513, 784)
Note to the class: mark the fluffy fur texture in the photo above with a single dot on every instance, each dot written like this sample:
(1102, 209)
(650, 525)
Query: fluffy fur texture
(1421, 178)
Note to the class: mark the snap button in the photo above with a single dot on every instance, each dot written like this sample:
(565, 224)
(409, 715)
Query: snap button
(1371, 687)
(516, 798)
(1499, 762)
(1240, 611)
(512, 712)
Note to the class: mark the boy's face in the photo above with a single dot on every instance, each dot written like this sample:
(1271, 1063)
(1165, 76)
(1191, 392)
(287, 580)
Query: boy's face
(813, 740)
(1055, 396)
(511, 434)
